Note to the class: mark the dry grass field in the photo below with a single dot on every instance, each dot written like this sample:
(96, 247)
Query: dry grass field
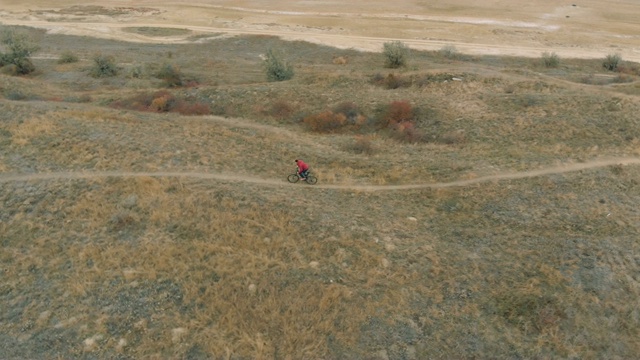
(468, 205)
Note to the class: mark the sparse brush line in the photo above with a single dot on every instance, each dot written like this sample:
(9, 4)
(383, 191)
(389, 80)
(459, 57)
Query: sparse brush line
(367, 43)
(560, 169)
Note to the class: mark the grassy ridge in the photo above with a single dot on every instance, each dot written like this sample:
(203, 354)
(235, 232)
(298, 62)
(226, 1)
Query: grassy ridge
(141, 267)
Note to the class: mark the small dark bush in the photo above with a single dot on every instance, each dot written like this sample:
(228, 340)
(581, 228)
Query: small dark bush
(611, 62)
(171, 75)
(104, 66)
(550, 60)
(67, 57)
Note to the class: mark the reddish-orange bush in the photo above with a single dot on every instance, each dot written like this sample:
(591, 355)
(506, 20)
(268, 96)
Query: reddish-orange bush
(397, 112)
(326, 121)
(161, 103)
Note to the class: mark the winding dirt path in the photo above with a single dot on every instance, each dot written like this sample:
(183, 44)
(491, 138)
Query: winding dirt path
(561, 169)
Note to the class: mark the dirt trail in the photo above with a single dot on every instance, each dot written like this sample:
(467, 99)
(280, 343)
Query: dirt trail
(560, 169)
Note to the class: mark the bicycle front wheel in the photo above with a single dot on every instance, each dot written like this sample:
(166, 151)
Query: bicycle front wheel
(312, 179)
(293, 178)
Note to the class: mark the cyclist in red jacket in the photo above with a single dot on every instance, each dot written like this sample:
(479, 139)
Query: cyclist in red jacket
(303, 169)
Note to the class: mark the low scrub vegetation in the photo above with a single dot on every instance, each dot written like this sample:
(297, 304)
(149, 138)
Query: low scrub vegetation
(103, 66)
(67, 57)
(550, 60)
(396, 81)
(170, 262)
(163, 101)
(173, 76)
(325, 121)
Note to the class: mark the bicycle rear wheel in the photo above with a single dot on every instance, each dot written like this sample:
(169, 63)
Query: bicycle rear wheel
(293, 178)
(311, 180)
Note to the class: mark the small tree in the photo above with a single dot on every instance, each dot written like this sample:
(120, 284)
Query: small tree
(276, 67)
(19, 52)
(550, 60)
(611, 62)
(395, 53)
(104, 66)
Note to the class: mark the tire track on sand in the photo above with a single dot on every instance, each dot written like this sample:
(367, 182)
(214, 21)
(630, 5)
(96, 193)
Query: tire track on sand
(560, 169)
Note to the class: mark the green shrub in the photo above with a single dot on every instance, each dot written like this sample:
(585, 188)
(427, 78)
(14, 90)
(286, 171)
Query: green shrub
(550, 60)
(611, 62)
(20, 48)
(67, 57)
(171, 74)
(104, 66)
(395, 53)
(276, 67)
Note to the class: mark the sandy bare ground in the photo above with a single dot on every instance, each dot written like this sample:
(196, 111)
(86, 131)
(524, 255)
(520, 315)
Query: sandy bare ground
(560, 169)
(586, 29)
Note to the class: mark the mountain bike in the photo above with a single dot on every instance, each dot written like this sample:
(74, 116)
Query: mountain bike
(294, 178)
